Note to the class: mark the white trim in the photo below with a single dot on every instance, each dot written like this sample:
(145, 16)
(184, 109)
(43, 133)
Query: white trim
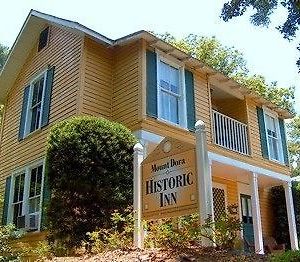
(248, 167)
(148, 136)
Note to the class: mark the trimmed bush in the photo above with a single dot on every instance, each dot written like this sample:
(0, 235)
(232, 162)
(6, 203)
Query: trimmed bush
(89, 169)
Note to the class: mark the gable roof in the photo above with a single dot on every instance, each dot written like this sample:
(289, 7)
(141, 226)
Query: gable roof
(36, 21)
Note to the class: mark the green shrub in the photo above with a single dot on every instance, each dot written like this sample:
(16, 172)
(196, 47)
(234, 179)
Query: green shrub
(186, 231)
(225, 231)
(89, 169)
(288, 256)
(8, 234)
(120, 235)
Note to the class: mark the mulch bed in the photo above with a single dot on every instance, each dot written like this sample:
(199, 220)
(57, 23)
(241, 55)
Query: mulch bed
(165, 255)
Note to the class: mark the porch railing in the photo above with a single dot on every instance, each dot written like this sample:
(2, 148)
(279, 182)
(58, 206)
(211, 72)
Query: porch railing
(230, 133)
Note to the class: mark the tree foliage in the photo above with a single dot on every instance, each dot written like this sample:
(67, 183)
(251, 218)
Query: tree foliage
(231, 62)
(3, 55)
(89, 167)
(263, 10)
(294, 144)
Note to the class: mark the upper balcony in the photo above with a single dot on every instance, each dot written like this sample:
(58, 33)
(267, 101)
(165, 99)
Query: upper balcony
(229, 122)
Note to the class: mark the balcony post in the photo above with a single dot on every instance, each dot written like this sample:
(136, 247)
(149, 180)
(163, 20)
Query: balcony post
(291, 215)
(258, 237)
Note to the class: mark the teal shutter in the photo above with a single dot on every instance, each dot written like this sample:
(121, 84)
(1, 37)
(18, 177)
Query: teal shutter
(45, 201)
(151, 88)
(262, 132)
(23, 113)
(283, 141)
(47, 97)
(6, 200)
(190, 100)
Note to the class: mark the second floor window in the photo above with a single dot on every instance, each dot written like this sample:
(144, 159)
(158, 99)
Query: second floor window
(34, 112)
(171, 96)
(36, 103)
(273, 137)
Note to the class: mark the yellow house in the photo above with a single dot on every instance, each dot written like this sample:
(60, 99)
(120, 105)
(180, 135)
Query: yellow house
(58, 68)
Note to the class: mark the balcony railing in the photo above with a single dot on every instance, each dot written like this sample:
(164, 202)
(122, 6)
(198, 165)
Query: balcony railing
(230, 133)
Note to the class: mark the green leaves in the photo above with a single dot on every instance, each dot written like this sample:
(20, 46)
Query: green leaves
(88, 158)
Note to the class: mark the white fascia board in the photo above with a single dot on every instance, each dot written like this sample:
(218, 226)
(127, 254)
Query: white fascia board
(148, 136)
(254, 169)
(72, 25)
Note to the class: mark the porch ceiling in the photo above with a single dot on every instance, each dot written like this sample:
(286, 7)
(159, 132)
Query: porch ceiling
(240, 175)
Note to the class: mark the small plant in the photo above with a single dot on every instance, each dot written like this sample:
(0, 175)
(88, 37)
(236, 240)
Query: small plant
(120, 235)
(288, 256)
(42, 250)
(8, 234)
(186, 231)
(225, 231)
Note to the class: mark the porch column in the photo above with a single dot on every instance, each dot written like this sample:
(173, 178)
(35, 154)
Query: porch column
(258, 237)
(138, 156)
(205, 196)
(291, 215)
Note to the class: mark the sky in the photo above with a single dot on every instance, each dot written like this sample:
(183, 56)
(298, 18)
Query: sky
(266, 52)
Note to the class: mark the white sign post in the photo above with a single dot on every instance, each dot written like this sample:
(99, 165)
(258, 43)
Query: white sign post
(204, 177)
(138, 156)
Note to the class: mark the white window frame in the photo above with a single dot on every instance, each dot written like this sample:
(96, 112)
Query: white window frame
(25, 208)
(182, 110)
(29, 102)
(274, 115)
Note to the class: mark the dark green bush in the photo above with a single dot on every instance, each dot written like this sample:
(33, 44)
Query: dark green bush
(281, 228)
(89, 168)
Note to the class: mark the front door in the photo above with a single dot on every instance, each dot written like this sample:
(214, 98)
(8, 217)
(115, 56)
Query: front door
(247, 219)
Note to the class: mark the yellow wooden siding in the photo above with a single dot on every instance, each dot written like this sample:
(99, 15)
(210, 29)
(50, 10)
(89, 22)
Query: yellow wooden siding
(63, 52)
(97, 80)
(126, 84)
(266, 212)
(231, 187)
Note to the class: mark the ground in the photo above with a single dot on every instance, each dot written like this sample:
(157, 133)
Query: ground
(162, 255)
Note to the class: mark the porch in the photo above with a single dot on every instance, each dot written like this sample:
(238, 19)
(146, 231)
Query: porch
(235, 182)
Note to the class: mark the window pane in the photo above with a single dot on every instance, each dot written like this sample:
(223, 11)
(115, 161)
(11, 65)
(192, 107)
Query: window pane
(174, 109)
(17, 212)
(35, 93)
(165, 106)
(35, 118)
(174, 80)
(164, 84)
(22, 183)
(32, 182)
(39, 180)
(41, 85)
(16, 189)
(34, 205)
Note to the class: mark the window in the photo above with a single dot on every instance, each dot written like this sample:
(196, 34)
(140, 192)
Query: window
(273, 136)
(171, 94)
(37, 89)
(43, 39)
(25, 208)
(35, 103)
